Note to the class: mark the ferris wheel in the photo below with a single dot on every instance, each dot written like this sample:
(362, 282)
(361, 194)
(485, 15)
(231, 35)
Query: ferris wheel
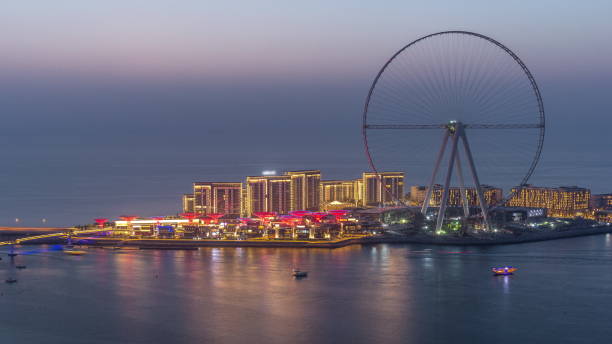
(451, 101)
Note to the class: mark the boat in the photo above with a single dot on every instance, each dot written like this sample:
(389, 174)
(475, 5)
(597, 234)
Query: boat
(503, 271)
(20, 266)
(12, 254)
(11, 280)
(298, 273)
(74, 252)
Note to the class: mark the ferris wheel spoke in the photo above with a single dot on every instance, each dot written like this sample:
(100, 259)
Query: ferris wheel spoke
(444, 126)
(505, 126)
(405, 126)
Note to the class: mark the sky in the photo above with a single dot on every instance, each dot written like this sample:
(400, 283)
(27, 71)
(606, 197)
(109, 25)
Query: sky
(137, 86)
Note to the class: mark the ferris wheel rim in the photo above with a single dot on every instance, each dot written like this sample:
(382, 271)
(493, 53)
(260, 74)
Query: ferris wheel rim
(536, 91)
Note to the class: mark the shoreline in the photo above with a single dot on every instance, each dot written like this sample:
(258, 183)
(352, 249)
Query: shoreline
(470, 241)
(178, 244)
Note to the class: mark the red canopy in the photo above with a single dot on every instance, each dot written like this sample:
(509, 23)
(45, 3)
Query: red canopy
(290, 219)
(189, 216)
(300, 213)
(244, 220)
(128, 218)
(338, 214)
(265, 214)
(319, 215)
(215, 217)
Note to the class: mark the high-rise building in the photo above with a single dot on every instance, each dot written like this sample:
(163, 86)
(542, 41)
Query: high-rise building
(602, 201)
(217, 197)
(417, 195)
(337, 190)
(202, 198)
(565, 201)
(188, 206)
(492, 195)
(358, 191)
(305, 189)
(268, 193)
(384, 188)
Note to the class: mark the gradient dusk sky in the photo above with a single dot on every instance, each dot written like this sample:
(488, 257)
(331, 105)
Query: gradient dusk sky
(91, 83)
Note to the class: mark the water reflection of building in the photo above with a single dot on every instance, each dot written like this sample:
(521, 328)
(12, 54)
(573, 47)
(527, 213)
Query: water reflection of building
(268, 194)
(565, 201)
(384, 188)
(492, 195)
(305, 189)
(217, 197)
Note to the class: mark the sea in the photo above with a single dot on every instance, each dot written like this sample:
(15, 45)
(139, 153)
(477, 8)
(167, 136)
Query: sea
(382, 293)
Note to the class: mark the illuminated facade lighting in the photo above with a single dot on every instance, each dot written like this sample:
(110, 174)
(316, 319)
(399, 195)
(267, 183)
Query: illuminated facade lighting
(492, 195)
(566, 201)
(217, 197)
(383, 188)
(268, 194)
(305, 189)
(339, 194)
(188, 203)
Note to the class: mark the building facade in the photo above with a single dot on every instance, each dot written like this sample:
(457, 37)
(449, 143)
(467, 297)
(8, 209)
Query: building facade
(188, 206)
(268, 194)
(492, 195)
(602, 201)
(338, 190)
(217, 197)
(381, 189)
(565, 201)
(305, 189)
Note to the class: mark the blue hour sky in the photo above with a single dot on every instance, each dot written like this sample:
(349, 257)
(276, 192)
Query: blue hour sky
(287, 40)
(278, 84)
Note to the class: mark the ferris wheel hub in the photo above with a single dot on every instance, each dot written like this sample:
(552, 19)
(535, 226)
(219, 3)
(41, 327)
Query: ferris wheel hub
(453, 126)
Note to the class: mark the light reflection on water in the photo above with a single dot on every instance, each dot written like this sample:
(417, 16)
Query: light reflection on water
(357, 294)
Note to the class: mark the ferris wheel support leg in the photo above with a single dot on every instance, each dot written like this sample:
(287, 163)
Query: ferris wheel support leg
(434, 173)
(449, 173)
(479, 194)
(462, 190)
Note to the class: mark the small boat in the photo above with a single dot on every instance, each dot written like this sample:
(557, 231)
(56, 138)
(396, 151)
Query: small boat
(298, 273)
(11, 280)
(20, 266)
(12, 254)
(503, 271)
(74, 252)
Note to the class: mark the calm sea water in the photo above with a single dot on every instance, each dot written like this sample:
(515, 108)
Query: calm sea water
(562, 293)
(69, 188)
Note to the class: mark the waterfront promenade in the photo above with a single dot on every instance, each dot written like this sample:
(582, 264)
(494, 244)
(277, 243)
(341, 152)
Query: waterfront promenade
(45, 235)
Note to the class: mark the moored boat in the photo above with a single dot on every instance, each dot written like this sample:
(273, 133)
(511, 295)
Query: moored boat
(298, 273)
(74, 252)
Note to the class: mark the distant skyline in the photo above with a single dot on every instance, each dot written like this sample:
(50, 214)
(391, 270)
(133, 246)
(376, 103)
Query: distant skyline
(114, 93)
